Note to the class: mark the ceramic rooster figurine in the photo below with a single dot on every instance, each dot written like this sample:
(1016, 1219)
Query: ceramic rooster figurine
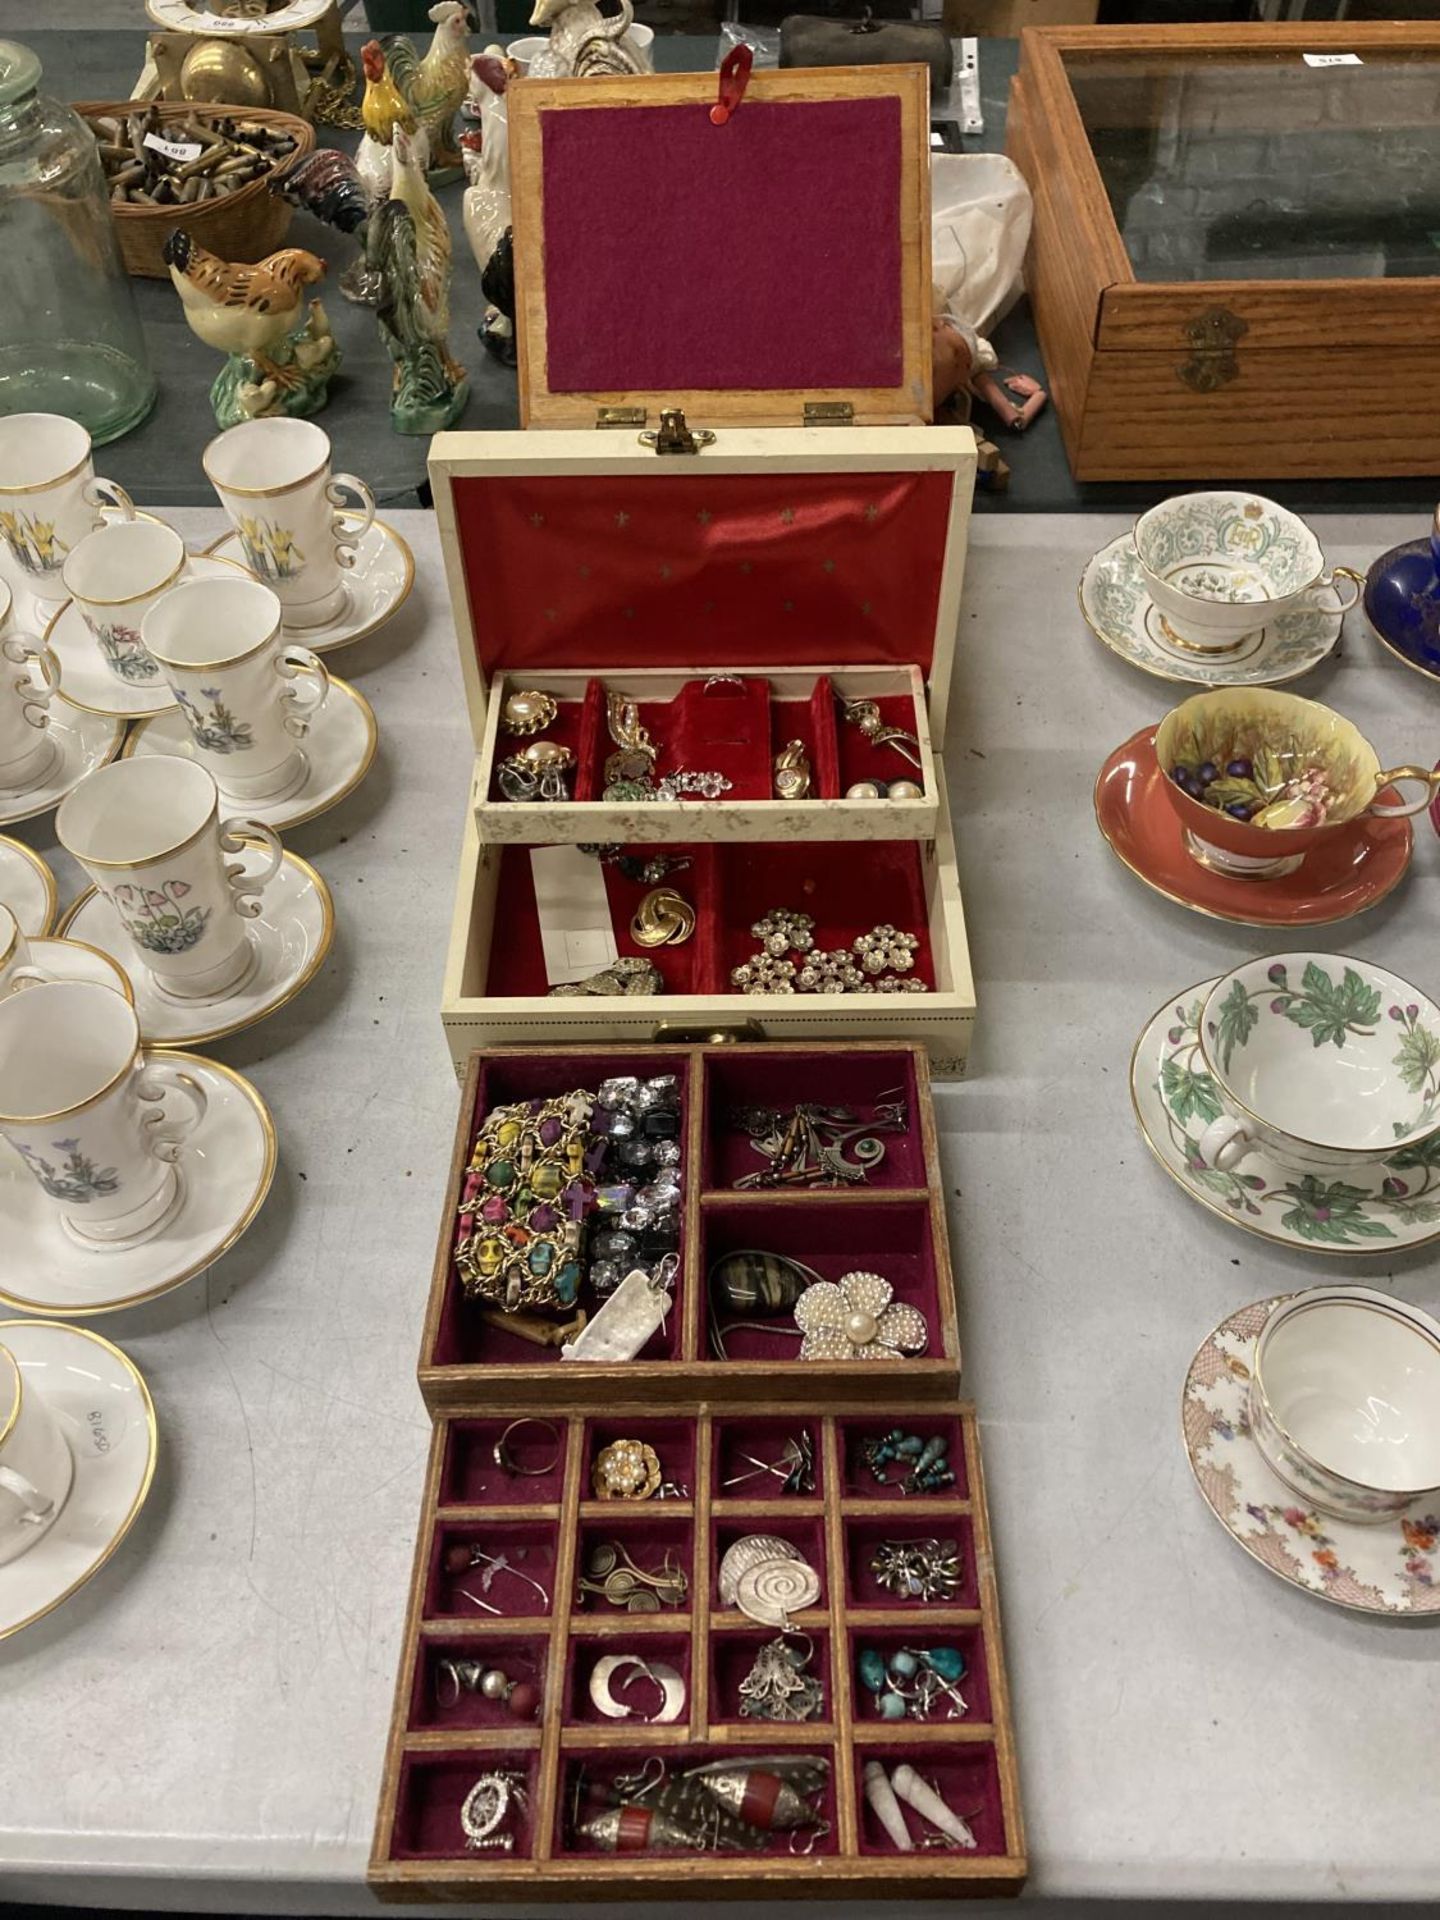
(436, 85)
(408, 244)
(383, 108)
(327, 183)
(280, 356)
(486, 149)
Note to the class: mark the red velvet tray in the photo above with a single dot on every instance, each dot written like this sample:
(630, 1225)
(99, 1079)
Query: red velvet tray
(547, 1524)
(739, 270)
(893, 1224)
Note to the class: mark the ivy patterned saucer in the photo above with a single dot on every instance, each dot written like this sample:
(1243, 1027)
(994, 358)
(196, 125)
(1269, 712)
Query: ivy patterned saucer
(225, 1169)
(85, 741)
(1393, 1568)
(27, 888)
(1351, 870)
(87, 682)
(338, 748)
(105, 1412)
(1119, 611)
(1346, 1210)
(292, 934)
(376, 587)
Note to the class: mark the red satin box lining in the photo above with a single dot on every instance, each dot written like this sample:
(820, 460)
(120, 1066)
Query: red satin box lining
(598, 572)
(735, 728)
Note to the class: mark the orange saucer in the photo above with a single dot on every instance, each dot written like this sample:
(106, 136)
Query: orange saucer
(1351, 870)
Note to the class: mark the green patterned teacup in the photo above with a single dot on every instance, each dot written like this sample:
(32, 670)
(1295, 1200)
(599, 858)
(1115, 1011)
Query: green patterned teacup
(1220, 565)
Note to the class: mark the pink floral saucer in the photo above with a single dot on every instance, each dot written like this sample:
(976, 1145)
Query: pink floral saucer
(1390, 1569)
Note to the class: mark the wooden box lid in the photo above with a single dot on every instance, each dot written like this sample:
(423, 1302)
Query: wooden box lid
(773, 547)
(741, 271)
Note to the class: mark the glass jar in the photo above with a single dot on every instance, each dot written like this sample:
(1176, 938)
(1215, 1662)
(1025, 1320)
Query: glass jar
(70, 339)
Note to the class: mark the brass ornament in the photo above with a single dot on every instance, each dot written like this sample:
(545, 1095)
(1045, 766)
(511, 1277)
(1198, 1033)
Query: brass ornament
(792, 771)
(1213, 336)
(626, 1470)
(527, 712)
(664, 918)
(637, 752)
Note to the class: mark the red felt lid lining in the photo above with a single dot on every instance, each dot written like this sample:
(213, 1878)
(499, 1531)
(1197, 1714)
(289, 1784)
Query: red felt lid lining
(596, 572)
(764, 253)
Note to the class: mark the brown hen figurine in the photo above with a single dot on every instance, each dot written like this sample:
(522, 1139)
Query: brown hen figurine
(281, 356)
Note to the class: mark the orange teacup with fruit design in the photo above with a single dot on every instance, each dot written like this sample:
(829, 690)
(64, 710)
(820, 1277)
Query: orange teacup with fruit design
(1258, 778)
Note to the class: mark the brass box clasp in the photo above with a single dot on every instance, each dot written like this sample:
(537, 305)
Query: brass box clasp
(674, 435)
(1212, 334)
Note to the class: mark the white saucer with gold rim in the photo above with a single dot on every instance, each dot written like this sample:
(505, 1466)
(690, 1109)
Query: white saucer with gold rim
(1116, 603)
(1390, 1568)
(291, 934)
(27, 888)
(225, 1170)
(72, 960)
(339, 748)
(87, 682)
(83, 741)
(104, 1410)
(376, 587)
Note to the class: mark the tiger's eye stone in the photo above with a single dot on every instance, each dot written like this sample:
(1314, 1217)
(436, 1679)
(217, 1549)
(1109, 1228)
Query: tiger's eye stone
(753, 1282)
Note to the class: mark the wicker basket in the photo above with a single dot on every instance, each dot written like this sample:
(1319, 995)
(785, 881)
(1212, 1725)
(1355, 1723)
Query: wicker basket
(244, 225)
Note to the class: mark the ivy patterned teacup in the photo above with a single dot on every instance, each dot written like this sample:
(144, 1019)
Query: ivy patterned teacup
(221, 646)
(273, 478)
(84, 1108)
(49, 496)
(36, 1466)
(1321, 1061)
(1344, 1401)
(149, 834)
(1283, 773)
(1220, 565)
(114, 576)
(27, 752)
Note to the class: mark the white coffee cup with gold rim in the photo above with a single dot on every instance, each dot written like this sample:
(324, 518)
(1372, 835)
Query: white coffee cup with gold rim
(29, 677)
(36, 1465)
(114, 576)
(49, 496)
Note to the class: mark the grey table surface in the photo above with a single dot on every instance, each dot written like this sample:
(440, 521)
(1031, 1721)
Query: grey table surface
(204, 1725)
(160, 462)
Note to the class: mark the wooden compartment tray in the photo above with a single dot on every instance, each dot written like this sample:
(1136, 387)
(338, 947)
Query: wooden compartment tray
(894, 1224)
(546, 1524)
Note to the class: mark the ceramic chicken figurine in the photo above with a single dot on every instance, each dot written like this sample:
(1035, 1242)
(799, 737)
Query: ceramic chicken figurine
(327, 183)
(436, 85)
(280, 355)
(583, 40)
(486, 149)
(408, 244)
(383, 108)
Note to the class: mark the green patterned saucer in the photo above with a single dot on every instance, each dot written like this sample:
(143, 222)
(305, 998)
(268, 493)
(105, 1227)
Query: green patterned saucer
(1119, 611)
(1350, 1212)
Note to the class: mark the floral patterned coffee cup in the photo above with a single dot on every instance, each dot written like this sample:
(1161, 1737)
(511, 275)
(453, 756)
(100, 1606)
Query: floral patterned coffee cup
(114, 576)
(36, 1467)
(1284, 774)
(1219, 565)
(49, 496)
(273, 478)
(1321, 1061)
(84, 1108)
(1344, 1401)
(149, 834)
(29, 676)
(246, 696)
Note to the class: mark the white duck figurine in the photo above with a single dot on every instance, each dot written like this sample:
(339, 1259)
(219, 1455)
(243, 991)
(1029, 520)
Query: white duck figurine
(486, 151)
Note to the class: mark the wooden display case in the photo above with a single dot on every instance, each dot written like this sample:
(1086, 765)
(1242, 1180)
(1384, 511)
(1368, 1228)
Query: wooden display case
(893, 1223)
(1229, 238)
(438, 1747)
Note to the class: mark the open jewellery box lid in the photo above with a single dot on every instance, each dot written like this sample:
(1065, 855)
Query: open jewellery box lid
(749, 271)
(775, 547)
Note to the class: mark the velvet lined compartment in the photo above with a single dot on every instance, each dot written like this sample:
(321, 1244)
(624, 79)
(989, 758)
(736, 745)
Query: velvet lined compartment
(863, 1536)
(471, 1475)
(973, 1687)
(673, 1442)
(730, 886)
(584, 1650)
(965, 1773)
(649, 1536)
(892, 1238)
(835, 1079)
(804, 1532)
(605, 1765)
(862, 759)
(433, 1788)
(523, 1657)
(860, 1482)
(529, 1545)
(763, 1435)
(732, 1655)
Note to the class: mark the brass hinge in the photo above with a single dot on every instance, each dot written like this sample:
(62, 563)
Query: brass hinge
(620, 417)
(1212, 334)
(674, 434)
(829, 413)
